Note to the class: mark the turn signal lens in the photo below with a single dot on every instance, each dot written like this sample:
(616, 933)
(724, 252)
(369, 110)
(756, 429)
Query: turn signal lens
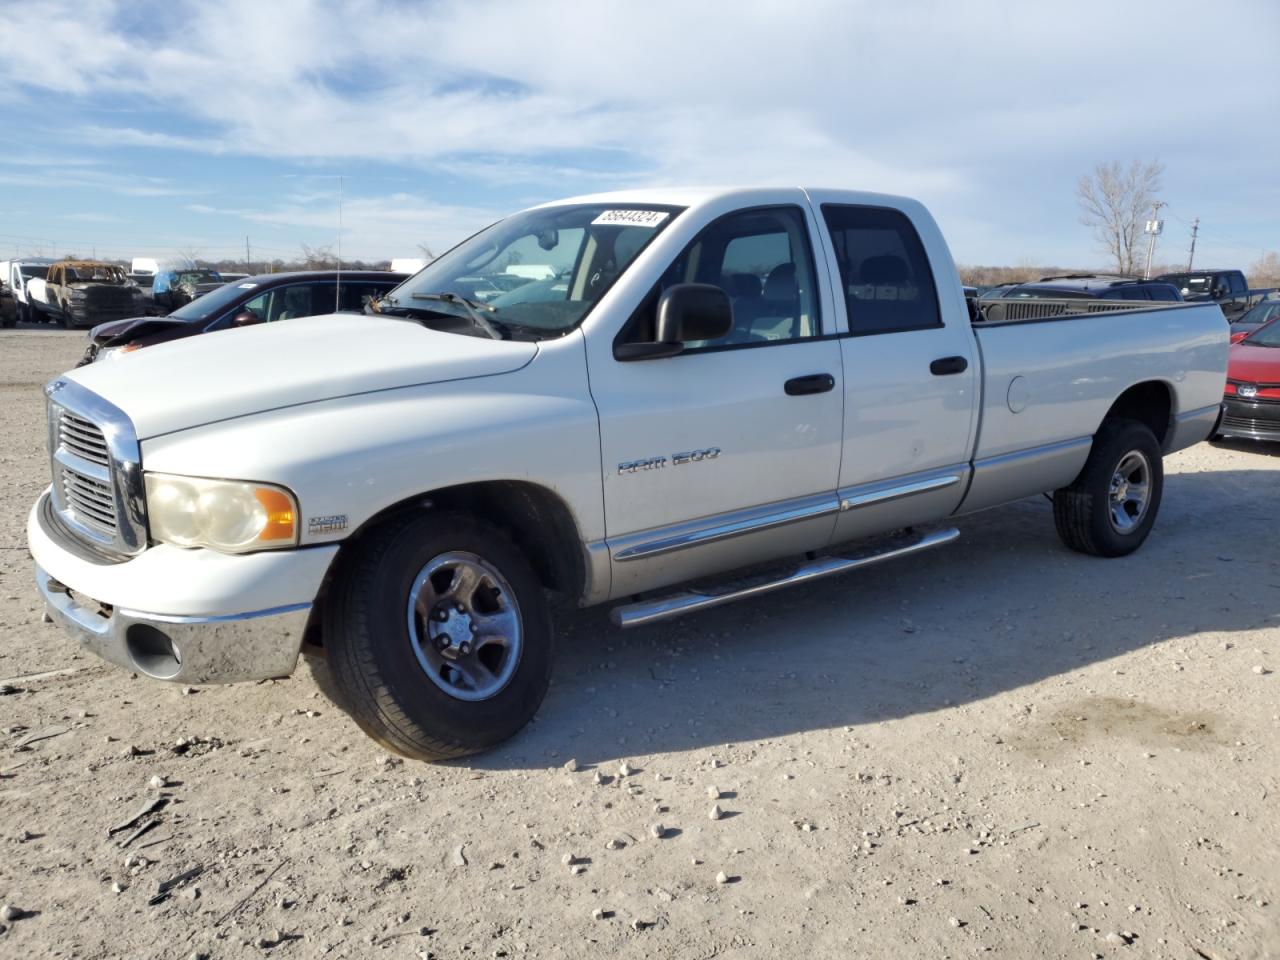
(281, 516)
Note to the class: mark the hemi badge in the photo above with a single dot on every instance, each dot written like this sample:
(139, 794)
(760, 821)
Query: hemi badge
(319, 526)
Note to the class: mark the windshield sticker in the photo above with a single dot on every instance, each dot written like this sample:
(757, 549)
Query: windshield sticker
(245, 286)
(630, 218)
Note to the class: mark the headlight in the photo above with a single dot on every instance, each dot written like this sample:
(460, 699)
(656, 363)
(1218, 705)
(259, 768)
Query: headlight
(226, 515)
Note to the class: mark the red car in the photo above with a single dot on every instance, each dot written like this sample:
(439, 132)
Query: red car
(1253, 386)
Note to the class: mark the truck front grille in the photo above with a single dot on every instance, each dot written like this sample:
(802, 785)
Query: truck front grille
(90, 501)
(83, 439)
(97, 472)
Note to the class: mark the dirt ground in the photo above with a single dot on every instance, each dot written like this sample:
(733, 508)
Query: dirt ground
(997, 748)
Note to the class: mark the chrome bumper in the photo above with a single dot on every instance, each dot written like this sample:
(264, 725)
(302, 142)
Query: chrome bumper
(216, 649)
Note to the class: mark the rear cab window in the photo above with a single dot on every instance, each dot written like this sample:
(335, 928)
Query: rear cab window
(885, 275)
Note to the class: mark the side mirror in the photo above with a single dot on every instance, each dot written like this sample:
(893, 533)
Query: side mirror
(245, 319)
(686, 311)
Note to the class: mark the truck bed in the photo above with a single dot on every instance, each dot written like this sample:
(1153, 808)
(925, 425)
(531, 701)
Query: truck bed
(1048, 381)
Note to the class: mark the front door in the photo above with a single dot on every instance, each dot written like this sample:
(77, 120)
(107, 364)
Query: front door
(729, 452)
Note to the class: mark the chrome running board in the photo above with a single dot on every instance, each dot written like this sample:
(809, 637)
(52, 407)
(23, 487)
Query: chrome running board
(664, 608)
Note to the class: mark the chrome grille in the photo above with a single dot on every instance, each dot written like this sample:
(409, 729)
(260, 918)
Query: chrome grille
(97, 472)
(83, 439)
(91, 501)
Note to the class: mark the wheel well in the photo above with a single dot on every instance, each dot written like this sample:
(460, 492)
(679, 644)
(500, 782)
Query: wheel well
(1149, 403)
(535, 519)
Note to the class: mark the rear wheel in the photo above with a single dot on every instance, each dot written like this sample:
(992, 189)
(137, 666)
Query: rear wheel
(438, 637)
(1109, 509)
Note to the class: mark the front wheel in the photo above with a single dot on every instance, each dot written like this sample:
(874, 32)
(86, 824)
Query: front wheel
(438, 637)
(1109, 509)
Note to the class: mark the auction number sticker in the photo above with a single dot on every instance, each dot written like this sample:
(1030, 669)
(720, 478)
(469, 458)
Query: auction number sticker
(630, 218)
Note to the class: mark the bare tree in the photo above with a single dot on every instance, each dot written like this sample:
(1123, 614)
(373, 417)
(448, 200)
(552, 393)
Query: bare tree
(1115, 201)
(425, 250)
(1265, 271)
(190, 254)
(318, 258)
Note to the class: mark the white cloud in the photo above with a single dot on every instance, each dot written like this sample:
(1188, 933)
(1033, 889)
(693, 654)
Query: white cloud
(950, 102)
(372, 227)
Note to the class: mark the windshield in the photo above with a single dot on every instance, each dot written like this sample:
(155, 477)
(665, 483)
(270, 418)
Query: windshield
(1191, 283)
(1261, 313)
(94, 273)
(32, 271)
(213, 302)
(1268, 336)
(197, 276)
(535, 274)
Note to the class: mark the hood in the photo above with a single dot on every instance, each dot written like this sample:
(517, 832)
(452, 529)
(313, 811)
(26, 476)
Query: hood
(1254, 364)
(134, 326)
(235, 373)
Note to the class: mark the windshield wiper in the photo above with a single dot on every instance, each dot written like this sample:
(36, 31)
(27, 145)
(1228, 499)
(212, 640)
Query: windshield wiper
(490, 325)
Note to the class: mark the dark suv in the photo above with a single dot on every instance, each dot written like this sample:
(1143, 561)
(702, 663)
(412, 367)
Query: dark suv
(1095, 286)
(241, 303)
(1228, 288)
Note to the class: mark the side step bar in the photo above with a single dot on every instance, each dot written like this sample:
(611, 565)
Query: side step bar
(664, 608)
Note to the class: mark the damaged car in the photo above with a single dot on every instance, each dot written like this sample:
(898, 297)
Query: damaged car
(81, 293)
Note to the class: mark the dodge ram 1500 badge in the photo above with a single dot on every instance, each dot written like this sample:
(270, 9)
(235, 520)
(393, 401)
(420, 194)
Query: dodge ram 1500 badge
(598, 399)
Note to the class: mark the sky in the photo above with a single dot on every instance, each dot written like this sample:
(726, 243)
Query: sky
(143, 128)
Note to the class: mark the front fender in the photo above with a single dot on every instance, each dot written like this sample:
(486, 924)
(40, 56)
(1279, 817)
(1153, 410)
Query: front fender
(350, 458)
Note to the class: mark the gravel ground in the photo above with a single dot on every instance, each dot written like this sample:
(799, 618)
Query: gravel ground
(999, 747)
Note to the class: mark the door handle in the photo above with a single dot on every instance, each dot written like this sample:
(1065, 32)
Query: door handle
(948, 365)
(813, 383)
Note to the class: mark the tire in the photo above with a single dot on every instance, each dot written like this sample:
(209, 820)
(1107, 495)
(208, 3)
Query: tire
(1100, 513)
(65, 319)
(382, 661)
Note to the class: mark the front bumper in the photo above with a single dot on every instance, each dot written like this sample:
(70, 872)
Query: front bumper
(1252, 420)
(223, 649)
(191, 616)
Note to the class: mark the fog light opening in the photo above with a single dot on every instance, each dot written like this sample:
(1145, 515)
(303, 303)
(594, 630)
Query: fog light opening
(152, 651)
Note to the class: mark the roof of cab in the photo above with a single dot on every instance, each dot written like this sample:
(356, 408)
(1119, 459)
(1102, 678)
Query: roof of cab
(692, 196)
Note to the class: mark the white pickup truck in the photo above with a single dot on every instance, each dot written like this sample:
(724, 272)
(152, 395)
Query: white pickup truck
(691, 384)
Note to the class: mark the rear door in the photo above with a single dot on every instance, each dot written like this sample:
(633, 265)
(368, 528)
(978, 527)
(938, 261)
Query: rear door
(910, 367)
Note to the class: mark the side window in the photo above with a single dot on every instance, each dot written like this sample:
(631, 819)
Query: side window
(302, 300)
(354, 296)
(1236, 280)
(1132, 293)
(1162, 291)
(763, 260)
(884, 272)
(259, 306)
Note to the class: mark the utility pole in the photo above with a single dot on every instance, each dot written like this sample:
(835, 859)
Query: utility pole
(1152, 229)
(337, 289)
(247, 258)
(1195, 228)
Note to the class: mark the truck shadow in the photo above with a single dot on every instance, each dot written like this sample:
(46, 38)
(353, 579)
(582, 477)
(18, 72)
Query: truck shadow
(1004, 607)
